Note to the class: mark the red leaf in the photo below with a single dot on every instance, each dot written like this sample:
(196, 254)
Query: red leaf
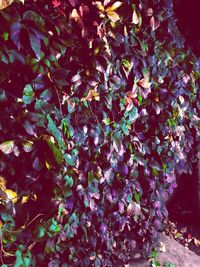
(56, 3)
(83, 10)
(129, 104)
(130, 94)
(149, 12)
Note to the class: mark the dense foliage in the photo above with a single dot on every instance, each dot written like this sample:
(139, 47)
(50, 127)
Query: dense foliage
(99, 111)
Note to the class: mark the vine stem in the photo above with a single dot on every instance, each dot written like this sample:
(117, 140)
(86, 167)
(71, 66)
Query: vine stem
(95, 117)
(59, 100)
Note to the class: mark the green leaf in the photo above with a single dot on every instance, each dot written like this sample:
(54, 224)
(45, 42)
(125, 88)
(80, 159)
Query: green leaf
(27, 261)
(19, 261)
(168, 264)
(137, 197)
(159, 149)
(133, 114)
(3, 97)
(28, 96)
(52, 129)
(69, 181)
(69, 159)
(154, 254)
(5, 36)
(7, 217)
(140, 99)
(41, 232)
(90, 176)
(28, 90)
(125, 128)
(56, 152)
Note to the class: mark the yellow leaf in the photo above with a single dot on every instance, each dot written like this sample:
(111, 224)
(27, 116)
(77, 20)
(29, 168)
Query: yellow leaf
(11, 195)
(92, 95)
(2, 182)
(99, 6)
(96, 50)
(24, 199)
(1, 224)
(113, 16)
(135, 18)
(197, 242)
(5, 3)
(48, 165)
(114, 6)
(75, 15)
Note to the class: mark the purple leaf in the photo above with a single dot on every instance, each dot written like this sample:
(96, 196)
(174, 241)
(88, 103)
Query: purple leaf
(35, 44)
(15, 31)
(73, 2)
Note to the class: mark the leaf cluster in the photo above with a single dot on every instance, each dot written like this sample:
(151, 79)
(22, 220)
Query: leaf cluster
(99, 108)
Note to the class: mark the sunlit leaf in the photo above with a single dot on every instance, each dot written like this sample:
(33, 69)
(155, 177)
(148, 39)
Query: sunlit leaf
(11, 195)
(154, 22)
(75, 15)
(56, 3)
(7, 147)
(92, 95)
(129, 103)
(5, 3)
(25, 199)
(2, 182)
(55, 151)
(99, 5)
(113, 16)
(116, 5)
(144, 83)
(68, 181)
(135, 18)
(69, 159)
(53, 129)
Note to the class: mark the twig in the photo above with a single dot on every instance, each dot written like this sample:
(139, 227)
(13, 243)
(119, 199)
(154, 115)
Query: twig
(179, 259)
(59, 100)
(31, 246)
(96, 118)
(26, 225)
(2, 249)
